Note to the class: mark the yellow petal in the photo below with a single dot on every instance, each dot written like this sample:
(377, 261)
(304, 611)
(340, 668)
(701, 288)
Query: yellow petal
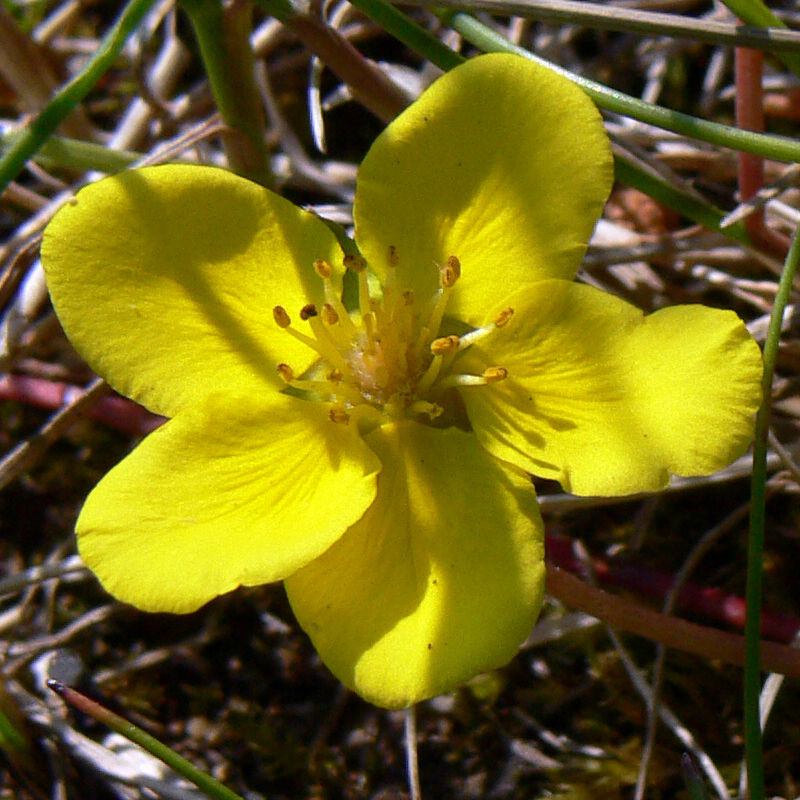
(501, 163)
(165, 278)
(441, 579)
(608, 401)
(228, 493)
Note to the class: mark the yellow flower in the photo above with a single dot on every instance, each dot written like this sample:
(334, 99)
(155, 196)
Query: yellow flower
(375, 454)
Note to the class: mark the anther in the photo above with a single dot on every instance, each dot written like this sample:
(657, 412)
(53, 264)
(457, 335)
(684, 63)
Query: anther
(323, 268)
(503, 317)
(495, 374)
(329, 315)
(432, 410)
(355, 263)
(445, 344)
(394, 259)
(448, 274)
(339, 415)
(334, 376)
(281, 317)
(455, 265)
(307, 311)
(408, 297)
(286, 373)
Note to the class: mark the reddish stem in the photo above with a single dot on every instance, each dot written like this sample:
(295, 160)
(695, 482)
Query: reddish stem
(707, 601)
(114, 411)
(673, 632)
(750, 116)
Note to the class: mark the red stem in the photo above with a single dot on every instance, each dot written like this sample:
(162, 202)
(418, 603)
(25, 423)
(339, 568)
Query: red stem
(703, 600)
(750, 116)
(114, 411)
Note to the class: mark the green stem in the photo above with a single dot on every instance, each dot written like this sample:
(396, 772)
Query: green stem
(409, 33)
(223, 36)
(649, 23)
(780, 148)
(67, 98)
(633, 174)
(755, 544)
(211, 786)
(65, 153)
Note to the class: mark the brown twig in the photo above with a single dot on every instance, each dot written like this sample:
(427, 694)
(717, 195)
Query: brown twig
(700, 640)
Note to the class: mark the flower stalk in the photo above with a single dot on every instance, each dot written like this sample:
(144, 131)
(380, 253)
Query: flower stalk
(223, 35)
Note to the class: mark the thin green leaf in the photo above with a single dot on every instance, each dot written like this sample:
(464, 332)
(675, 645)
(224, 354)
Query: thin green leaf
(56, 111)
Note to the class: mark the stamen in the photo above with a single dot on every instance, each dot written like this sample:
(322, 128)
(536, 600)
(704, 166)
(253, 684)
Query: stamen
(490, 375)
(446, 344)
(281, 317)
(329, 315)
(479, 333)
(355, 263)
(324, 345)
(450, 273)
(404, 318)
(504, 316)
(332, 299)
(430, 375)
(284, 321)
(323, 268)
(342, 392)
(495, 374)
(339, 415)
(364, 300)
(424, 407)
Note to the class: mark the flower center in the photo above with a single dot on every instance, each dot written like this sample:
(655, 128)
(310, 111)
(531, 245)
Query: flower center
(390, 356)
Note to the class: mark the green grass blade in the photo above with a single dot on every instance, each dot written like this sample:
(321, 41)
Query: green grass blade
(780, 148)
(212, 787)
(31, 138)
(755, 545)
(630, 172)
(647, 23)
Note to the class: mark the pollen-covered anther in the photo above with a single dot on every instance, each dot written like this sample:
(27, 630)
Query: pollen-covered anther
(307, 311)
(329, 314)
(339, 415)
(323, 268)
(495, 374)
(281, 317)
(286, 372)
(355, 263)
(445, 344)
(431, 410)
(454, 264)
(450, 273)
(503, 317)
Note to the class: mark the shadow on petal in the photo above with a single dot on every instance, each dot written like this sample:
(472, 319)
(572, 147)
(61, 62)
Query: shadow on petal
(441, 579)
